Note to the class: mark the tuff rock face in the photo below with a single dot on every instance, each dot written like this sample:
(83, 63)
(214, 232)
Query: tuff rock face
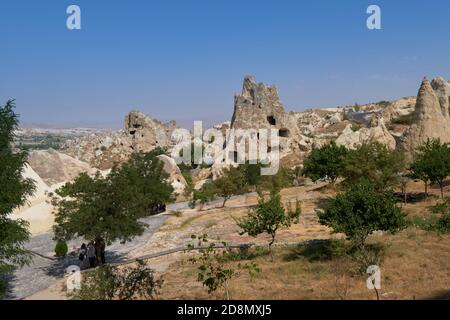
(259, 107)
(147, 133)
(54, 167)
(175, 177)
(352, 139)
(102, 151)
(431, 117)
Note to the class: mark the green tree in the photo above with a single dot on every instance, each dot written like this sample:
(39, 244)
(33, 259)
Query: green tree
(361, 210)
(432, 163)
(111, 208)
(14, 190)
(268, 217)
(205, 194)
(232, 182)
(374, 162)
(326, 162)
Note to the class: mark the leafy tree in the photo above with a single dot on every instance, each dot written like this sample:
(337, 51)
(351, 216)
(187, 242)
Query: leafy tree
(110, 208)
(14, 190)
(432, 163)
(442, 209)
(252, 173)
(232, 182)
(374, 162)
(361, 210)
(326, 162)
(268, 217)
(108, 283)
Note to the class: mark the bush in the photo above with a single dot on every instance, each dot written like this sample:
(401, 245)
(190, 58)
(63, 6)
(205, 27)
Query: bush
(125, 283)
(406, 119)
(61, 249)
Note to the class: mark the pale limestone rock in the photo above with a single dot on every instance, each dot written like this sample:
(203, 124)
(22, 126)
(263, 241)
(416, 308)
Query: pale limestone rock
(175, 177)
(55, 167)
(430, 121)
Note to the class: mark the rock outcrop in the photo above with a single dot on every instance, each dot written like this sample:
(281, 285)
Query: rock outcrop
(104, 150)
(55, 167)
(259, 107)
(175, 177)
(351, 139)
(431, 119)
(147, 133)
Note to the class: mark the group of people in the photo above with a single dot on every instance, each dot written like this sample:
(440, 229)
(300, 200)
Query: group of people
(92, 254)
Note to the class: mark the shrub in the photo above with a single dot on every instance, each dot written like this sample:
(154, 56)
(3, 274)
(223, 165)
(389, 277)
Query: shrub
(406, 119)
(61, 249)
(122, 283)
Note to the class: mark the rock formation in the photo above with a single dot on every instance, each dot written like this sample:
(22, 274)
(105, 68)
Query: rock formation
(352, 139)
(431, 117)
(175, 177)
(102, 151)
(55, 167)
(259, 107)
(146, 133)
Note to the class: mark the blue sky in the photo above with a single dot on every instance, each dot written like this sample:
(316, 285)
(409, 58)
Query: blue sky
(185, 59)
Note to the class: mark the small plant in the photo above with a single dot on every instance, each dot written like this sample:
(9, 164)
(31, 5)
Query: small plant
(177, 213)
(268, 218)
(356, 127)
(61, 249)
(214, 271)
(407, 119)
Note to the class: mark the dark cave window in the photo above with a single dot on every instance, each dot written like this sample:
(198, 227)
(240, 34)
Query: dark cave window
(271, 120)
(284, 133)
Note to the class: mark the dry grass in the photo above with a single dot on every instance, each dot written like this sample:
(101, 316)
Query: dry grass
(416, 264)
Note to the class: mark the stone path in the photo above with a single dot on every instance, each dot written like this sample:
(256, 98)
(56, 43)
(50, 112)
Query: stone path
(42, 273)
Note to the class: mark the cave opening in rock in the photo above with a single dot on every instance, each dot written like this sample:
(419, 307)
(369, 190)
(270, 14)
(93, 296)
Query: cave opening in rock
(271, 120)
(284, 133)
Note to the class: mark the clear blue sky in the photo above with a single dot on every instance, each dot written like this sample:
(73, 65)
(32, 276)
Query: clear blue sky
(185, 59)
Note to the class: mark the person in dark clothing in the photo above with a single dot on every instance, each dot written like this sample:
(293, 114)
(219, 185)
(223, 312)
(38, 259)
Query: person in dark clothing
(102, 252)
(91, 254)
(83, 257)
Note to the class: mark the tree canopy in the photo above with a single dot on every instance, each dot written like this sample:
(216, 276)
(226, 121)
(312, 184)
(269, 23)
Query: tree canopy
(326, 162)
(232, 182)
(361, 210)
(111, 208)
(374, 162)
(432, 163)
(14, 190)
